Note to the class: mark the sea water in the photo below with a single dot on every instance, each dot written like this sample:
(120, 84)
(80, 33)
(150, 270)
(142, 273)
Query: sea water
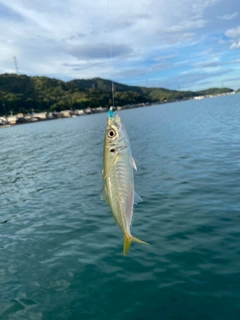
(60, 250)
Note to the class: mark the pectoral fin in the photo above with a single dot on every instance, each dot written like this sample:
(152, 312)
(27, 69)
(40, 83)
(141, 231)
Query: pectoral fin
(105, 195)
(134, 164)
(137, 198)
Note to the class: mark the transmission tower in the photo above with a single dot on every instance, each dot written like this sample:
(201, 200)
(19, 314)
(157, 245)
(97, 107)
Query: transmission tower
(15, 64)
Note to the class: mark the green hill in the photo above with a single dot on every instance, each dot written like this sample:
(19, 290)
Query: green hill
(21, 93)
(214, 91)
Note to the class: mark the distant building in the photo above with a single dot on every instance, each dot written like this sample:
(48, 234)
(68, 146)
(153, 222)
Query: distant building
(40, 116)
(66, 113)
(12, 119)
(199, 97)
(88, 111)
(79, 112)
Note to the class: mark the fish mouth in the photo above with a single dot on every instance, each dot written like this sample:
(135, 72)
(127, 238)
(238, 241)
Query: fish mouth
(114, 119)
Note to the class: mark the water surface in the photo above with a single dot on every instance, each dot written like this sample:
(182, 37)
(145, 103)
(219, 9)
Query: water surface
(60, 250)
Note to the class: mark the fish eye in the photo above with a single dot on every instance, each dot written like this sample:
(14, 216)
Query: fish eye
(111, 133)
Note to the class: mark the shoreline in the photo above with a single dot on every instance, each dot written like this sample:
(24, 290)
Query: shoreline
(13, 120)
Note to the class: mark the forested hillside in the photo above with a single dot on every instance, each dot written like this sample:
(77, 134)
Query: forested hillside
(21, 93)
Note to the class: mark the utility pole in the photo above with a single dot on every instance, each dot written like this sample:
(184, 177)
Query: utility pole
(15, 64)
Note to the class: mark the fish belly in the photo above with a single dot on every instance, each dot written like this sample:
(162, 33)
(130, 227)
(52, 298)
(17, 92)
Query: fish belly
(121, 193)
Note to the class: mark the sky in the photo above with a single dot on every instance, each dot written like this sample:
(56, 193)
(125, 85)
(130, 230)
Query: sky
(174, 44)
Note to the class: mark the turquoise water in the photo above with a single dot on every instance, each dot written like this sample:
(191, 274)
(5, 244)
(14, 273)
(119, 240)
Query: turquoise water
(60, 250)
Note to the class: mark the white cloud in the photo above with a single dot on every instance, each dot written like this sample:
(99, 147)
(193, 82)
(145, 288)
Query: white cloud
(234, 34)
(235, 45)
(229, 16)
(71, 38)
(188, 25)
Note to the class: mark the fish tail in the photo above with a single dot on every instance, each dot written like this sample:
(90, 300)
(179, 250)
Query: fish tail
(128, 239)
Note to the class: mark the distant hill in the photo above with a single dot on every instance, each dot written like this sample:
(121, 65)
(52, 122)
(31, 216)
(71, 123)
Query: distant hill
(214, 91)
(21, 93)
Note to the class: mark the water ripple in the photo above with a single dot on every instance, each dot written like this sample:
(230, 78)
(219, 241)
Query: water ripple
(61, 253)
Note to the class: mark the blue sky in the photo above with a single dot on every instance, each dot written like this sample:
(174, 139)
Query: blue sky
(186, 45)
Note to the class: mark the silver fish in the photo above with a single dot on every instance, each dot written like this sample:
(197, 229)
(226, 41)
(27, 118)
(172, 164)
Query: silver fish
(117, 174)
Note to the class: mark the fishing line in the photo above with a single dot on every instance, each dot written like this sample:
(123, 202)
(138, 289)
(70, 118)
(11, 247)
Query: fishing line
(110, 54)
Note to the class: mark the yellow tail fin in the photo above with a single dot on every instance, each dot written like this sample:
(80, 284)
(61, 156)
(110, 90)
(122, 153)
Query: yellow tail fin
(128, 239)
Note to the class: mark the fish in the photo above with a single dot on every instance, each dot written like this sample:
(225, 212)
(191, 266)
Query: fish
(117, 175)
